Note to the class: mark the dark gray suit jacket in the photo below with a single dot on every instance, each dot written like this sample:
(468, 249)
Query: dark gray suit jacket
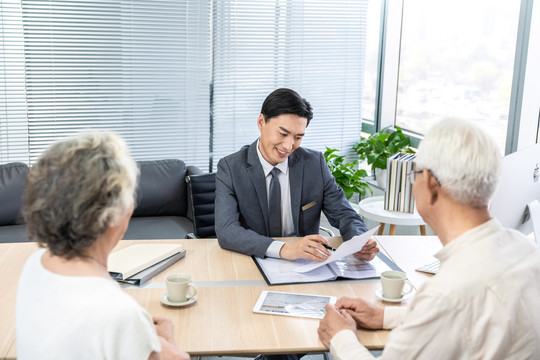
(241, 209)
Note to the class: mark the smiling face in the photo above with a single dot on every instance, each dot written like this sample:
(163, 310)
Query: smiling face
(280, 136)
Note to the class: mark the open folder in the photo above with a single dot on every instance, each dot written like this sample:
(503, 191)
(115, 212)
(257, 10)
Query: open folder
(122, 264)
(340, 265)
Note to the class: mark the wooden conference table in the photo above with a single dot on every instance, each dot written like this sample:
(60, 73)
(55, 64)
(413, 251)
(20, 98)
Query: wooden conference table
(221, 321)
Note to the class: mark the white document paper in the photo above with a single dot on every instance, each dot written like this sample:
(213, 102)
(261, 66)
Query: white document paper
(346, 248)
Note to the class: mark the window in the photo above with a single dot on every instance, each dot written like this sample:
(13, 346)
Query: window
(457, 60)
(314, 47)
(371, 72)
(140, 68)
(154, 71)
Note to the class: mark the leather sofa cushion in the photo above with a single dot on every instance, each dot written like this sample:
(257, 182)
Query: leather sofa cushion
(162, 189)
(158, 227)
(12, 180)
(13, 234)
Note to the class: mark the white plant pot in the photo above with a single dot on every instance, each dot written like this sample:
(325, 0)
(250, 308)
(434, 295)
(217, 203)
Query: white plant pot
(380, 176)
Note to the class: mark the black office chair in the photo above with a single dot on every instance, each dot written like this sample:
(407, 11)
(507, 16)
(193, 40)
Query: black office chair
(327, 231)
(202, 196)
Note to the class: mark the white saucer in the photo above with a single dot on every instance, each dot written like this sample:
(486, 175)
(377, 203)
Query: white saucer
(379, 295)
(165, 300)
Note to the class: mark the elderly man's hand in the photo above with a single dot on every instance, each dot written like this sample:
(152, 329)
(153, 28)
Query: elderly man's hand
(333, 322)
(366, 314)
(368, 252)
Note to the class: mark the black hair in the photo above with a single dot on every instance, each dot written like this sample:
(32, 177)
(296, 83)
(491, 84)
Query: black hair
(286, 101)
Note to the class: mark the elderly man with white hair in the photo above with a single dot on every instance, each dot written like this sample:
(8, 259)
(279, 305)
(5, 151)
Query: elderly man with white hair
(483, 303)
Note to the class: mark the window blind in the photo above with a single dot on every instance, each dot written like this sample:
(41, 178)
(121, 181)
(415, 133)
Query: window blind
(13, 125)
(139, 68)
(314, 47)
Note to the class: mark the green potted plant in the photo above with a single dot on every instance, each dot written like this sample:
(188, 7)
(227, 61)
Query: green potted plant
(348, 177)
(379, 146)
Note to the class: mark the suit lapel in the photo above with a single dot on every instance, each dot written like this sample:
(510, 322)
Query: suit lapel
(296, 179)
(256, 174)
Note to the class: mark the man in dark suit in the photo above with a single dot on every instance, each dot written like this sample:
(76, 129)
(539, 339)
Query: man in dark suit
(275, 188)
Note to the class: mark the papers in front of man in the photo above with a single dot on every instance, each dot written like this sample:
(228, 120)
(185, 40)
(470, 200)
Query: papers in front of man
(346, 248)
(279, 271)
(122, 264)
(342, 265)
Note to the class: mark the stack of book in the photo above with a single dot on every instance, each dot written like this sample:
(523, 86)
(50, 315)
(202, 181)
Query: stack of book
(398, 195)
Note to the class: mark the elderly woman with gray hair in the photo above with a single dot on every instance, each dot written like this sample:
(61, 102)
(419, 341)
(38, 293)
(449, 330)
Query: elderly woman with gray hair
(78, 201)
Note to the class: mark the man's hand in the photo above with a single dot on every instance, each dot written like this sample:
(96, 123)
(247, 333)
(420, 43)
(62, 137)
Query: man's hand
(368, 252)
(333, 322)
(309, 247)
(366, 315)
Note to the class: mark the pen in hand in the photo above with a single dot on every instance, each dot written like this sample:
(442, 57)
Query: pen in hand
(329, 247)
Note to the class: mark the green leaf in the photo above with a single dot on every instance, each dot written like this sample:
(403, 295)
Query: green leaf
(350, 179)
(403, 143)
(392, 137)
(380, 163)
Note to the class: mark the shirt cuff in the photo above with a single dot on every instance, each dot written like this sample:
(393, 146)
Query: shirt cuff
(345, 345)
(274, 249)
(393, 316)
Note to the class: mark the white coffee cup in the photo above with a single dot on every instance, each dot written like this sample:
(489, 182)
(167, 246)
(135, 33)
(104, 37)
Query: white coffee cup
(393, 283)
(179, 286)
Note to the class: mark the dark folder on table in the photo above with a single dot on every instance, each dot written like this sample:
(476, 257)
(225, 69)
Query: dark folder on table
(138, 263)
(145, 275)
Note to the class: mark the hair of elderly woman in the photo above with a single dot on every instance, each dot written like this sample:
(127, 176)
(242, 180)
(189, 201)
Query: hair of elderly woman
(76, 190)
(464, 158)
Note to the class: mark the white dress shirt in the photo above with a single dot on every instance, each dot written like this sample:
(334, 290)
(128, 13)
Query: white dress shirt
(482, 304)
(287, 226)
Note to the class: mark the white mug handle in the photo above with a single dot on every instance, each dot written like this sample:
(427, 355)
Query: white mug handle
(194, 290)
(405, 292)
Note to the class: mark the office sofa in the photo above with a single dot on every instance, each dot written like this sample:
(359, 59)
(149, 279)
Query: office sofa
(162, 210)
